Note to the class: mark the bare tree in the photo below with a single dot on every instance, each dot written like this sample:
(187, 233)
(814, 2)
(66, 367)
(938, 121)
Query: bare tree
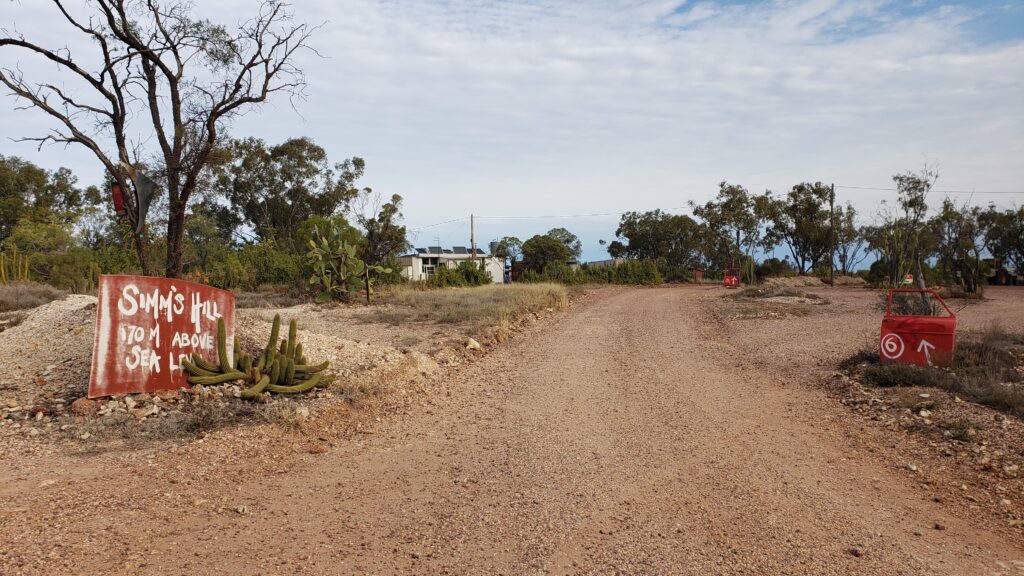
(161, 75)
(901, 236)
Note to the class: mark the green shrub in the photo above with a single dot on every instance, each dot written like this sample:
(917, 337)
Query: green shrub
(630, 272)
(392, 273)
(268, 264)
(465, 274)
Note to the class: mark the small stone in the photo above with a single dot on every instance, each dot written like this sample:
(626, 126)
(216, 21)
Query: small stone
(242, 509)
(924, 413)
(912, 467)
(85, 407)
(939, 526)
(46, 483)
(925, 395)
(85, 436)
(472, 344)
(856, 551)
(1005, 502)
(34, 432)
(129, 403)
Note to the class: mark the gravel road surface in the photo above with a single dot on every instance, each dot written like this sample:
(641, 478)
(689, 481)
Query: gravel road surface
(628, 437)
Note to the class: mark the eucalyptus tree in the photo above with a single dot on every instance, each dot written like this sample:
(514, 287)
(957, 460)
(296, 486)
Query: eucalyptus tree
(155, 73)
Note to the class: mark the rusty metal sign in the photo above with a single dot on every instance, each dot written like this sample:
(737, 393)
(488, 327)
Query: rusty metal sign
(146, 325)
(918, 328)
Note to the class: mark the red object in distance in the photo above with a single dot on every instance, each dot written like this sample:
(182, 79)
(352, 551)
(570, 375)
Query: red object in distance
(918, 328)
(145, 325)
(118, 195)
(732, 278)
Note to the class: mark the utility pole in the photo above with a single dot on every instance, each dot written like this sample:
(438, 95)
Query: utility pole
(472, 238)
(832, 235)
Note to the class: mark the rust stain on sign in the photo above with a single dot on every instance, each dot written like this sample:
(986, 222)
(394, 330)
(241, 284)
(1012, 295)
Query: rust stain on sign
(146, 325)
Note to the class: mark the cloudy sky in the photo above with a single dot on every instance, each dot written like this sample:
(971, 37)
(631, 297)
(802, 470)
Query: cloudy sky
(521, 110)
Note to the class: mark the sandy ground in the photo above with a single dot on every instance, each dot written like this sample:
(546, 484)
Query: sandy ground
(645, 432)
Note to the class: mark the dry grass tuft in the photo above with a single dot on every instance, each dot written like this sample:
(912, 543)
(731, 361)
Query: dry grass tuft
(484, 306)
(271, 296)
(287, 415)
(768, 291)
(25, 295)
(988, 368)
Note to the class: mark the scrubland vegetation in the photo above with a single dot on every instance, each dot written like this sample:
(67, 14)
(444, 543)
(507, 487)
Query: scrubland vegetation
(986, 369)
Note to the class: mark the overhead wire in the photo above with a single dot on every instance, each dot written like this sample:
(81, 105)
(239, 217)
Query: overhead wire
(599, 214)
(933, 190)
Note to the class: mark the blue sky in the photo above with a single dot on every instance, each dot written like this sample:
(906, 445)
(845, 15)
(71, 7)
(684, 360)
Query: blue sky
(538, 108)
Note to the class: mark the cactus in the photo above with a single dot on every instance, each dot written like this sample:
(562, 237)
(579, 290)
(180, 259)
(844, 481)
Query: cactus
(280, 369)
(13, 268)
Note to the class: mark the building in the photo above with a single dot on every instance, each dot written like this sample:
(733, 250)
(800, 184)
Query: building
(420, 265)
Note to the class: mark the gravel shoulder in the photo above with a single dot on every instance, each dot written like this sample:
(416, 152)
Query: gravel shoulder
(639, 433)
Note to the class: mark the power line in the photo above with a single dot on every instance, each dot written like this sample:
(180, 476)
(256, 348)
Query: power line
(936, 191)
(439, 224)
(572, 215)
(599, 214)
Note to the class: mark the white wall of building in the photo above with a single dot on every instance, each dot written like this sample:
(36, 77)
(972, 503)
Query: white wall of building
(416, 267)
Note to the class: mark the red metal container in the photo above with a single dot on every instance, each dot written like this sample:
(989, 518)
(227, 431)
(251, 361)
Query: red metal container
(918, 328)
(732, 278)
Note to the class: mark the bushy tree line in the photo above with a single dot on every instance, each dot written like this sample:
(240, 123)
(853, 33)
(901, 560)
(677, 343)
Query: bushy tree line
(948, 246)
(635, 272)
(257, 214)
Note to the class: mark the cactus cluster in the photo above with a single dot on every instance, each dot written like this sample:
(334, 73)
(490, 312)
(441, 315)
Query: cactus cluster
(13, 268)
(282, 368)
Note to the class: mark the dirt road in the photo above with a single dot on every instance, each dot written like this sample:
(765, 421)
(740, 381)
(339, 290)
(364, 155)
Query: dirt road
(627, 438)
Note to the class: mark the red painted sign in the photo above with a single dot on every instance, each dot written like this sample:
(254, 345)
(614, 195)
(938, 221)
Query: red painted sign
(732, 278)
(918, 328)
(146, 325)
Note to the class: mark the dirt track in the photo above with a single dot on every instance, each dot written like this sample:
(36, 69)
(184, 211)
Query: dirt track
(629, 437)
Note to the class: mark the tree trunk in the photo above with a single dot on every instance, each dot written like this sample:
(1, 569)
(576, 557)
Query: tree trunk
(142, 251)
(175, 239)
(919, 274)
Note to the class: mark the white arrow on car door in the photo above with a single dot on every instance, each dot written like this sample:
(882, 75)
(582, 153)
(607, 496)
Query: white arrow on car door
(926, 347)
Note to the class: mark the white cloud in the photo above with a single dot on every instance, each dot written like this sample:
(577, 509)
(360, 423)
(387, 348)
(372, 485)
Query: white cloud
(526, 107)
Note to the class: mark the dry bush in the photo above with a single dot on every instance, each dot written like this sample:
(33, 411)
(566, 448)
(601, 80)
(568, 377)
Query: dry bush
(271, 296)
(769, 291)
(10, 319)
(495, 305)
(986, 369)
(25, 295)
(287, 415)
